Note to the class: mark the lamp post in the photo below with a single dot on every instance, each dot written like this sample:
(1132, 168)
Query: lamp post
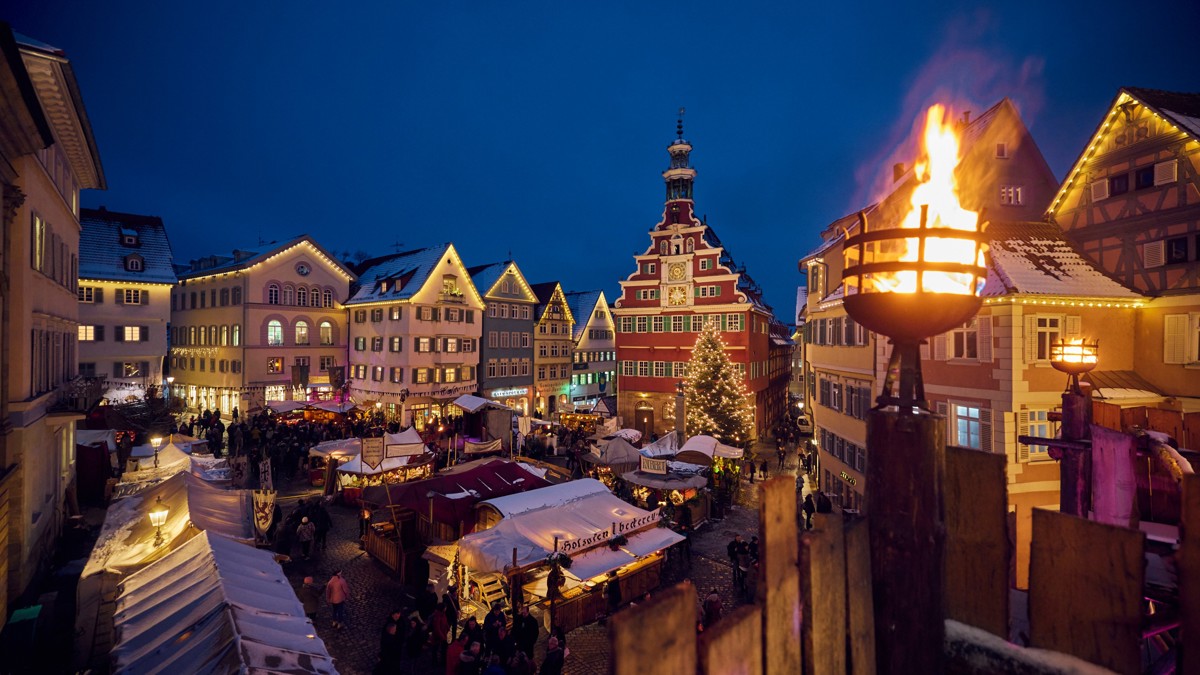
(909, 283)
(155, 441)
(158, 518)
(170, 383)
(1075, 357)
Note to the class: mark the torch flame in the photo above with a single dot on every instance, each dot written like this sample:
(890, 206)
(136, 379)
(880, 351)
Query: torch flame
(937, 190)
(1075, 351)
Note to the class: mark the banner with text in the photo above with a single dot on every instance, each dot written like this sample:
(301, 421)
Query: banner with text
(372, 452)
(650, 465)
(570, 546)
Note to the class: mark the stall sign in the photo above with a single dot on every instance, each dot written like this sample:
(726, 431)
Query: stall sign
(518, 391)
(372, 452)
(650, 465)
(578, 544)
(849, 479)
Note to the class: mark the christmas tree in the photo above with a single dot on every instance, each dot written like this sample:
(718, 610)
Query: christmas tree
(715, 394)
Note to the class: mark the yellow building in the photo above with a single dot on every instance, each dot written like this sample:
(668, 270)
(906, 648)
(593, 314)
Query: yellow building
(553, 345)
(47, 155)
(265, 324)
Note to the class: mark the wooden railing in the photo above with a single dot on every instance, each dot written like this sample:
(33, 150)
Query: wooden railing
(814, 608)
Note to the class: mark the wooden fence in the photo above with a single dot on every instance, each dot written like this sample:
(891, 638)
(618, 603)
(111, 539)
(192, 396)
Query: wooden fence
(814, 611)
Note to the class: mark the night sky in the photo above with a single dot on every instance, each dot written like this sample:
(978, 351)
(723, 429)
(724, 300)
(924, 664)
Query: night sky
(541, 128)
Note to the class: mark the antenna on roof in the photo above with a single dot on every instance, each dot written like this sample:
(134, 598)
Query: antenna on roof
(679, 124)
(397, 245)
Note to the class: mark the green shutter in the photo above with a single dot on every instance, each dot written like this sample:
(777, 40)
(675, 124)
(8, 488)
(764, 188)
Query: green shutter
(687, 324)
(723, 323)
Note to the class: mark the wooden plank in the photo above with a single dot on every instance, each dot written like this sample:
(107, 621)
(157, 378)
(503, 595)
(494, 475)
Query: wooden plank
(1191, 431)
(823, 579)
(1133, 417)
(734, 645)
(1167, 421)
(779, 575)
(1189, 576)
(1085, 590)
(860, 607)
(1106, 414)
(977, 553)
(658, 636)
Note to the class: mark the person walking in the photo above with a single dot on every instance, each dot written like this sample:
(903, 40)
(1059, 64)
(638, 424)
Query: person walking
(309, 596)
(337, 591)
(732, 550)
(364, 522)
(762, 468)
(450, 606)
(391, 649)
(782, 454)
(810, 507)
(612, 593)
(324, 524)
(712, 608)
(305, 534)
(439, 629)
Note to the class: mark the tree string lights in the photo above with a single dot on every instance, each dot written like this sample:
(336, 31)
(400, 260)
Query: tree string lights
(717, 400)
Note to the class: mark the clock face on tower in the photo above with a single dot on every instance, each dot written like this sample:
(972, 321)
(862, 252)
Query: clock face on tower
(675, 272)
(677, 295)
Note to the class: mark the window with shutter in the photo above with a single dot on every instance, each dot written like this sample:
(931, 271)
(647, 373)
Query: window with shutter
(1166, 172)
(1099, 189)
(985, 429)
(1154, 253)
(119, 333)
(143, 336)
(99, 334)
(939, 347)
(1175, 338)
(985, 339)
(1022, 430)
(925, 356)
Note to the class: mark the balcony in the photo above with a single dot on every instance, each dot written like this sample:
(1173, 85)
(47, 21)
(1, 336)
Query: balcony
(454, 298)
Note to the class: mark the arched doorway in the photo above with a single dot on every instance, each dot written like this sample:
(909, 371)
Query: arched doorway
(644, 419)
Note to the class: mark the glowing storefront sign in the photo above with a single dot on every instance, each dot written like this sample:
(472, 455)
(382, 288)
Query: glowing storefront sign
(517, 391)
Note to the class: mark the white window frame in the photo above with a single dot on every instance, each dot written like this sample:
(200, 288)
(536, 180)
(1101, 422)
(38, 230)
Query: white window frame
(963, 337)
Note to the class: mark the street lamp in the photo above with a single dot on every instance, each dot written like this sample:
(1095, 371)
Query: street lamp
(156, 441)
(1073, 449)
(909, 283)
(158, 518)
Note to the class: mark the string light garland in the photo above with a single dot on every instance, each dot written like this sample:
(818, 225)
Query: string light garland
(716, 397)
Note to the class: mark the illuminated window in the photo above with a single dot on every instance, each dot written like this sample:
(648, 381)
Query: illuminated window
(275, 365)
(274, 333)
(272, 295)
(301, 332)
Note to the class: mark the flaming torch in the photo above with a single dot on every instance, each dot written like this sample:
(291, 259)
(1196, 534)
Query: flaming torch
(910, 282)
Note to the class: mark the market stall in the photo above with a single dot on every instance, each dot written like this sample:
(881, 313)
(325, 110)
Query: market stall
(128, 541)
(214, 606)
(584, 421)
(437, 509)
(610, 457)
(599, 534)
(356, 474)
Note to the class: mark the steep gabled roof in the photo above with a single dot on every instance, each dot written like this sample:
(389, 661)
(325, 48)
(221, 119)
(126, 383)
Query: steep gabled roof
(405, 274)
(244, 258)
(1180, 109)
(582, 304)
(545, 293)
(102, 255)
(1035, 259)
(485, 277)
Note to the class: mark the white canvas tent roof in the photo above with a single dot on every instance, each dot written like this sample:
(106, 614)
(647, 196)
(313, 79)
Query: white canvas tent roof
(90, 437)
(475, 404)
(709, 447)
(168, 454)
(407, 442)
(532, 533)
(665, 446)
(550, 496)
(617, 452)
(334, 406)
(341, 447)
(286, 406)
(214, 606)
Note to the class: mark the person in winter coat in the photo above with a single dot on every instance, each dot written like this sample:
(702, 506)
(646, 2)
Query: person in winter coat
(391, 648)
(323, 522)
(494, 666)
(309, 596)
(470, 661)
(612, 592)
(810, 507)
(439, 627)
(712, 608)
(305, 535)
(520, 664)
(453, 652)
(525, 631)
(555, 657)
(337, 591)
(492, 623)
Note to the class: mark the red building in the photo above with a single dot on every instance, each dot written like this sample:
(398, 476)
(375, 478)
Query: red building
(685, 278)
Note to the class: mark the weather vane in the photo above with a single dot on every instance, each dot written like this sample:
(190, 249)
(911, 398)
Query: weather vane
(679, 124)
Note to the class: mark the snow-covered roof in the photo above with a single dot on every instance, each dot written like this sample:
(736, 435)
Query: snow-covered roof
(1034, 258)
(546, 497)
(710, 447)
(473, 404)
(582, 304)
(214, 606)
(102, 254)
(1182, 109)
(486, 276)
(243, 258)
(405, 274)
(801, 302)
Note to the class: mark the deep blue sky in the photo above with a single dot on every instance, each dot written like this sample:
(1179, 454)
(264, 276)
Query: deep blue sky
(540, 128)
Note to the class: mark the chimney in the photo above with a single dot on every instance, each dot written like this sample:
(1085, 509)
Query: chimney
(897, 171)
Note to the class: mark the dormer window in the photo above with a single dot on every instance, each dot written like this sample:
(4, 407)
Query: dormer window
(129, 237)
(450, 285)
(383, 286)
(134, 263)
